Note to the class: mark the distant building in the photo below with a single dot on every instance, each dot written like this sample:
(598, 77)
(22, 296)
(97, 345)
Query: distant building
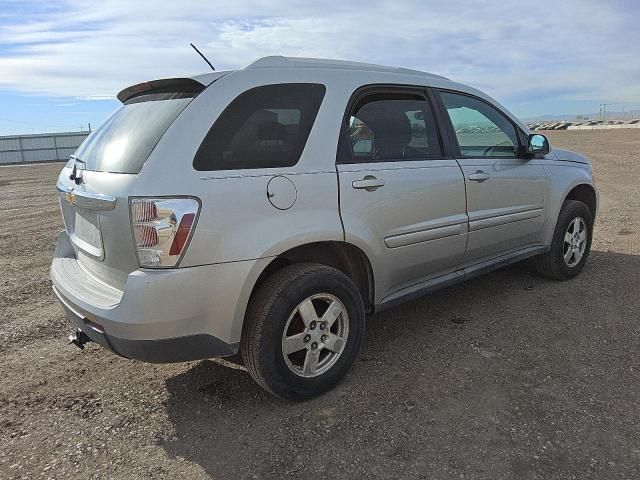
(42, 147)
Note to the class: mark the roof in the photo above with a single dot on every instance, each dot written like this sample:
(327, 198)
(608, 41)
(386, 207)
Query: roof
(278, 61)
(281, 62)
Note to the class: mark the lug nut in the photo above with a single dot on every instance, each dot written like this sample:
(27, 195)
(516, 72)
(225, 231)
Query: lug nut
(306, 338)
(312, 325)
(323, 338)
(323, 325)
(314, 345)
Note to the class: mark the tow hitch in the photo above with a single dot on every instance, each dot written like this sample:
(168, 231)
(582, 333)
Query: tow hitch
(79, 339)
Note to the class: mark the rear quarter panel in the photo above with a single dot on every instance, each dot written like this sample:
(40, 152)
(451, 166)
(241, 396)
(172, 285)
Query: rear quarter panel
(237, 221)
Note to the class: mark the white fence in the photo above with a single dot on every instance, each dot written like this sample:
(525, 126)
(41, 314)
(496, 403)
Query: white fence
(44, 147)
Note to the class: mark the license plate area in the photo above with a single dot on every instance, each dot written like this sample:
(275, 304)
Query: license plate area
(85, 232)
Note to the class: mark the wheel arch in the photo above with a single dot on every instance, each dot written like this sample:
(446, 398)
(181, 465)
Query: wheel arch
(586, 194)
(580, 189)
(343, 256)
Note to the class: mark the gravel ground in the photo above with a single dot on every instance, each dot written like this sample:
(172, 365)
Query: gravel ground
(505, 376)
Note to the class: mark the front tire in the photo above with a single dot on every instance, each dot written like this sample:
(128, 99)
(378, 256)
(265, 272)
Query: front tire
(571, 243)
(303, 329)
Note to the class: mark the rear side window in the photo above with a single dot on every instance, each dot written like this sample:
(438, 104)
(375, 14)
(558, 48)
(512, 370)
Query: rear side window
(264, 127)
(393, 127)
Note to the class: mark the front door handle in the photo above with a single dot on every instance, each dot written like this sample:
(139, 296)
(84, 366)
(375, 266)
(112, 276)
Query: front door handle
(479, 176)
(369, 183)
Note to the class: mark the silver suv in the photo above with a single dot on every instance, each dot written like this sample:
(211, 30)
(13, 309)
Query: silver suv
(266, 211)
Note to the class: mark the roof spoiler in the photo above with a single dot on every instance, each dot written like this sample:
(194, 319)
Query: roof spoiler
(167, 85)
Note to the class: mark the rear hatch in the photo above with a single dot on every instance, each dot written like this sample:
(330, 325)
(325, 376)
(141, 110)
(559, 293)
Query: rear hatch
(96, 183)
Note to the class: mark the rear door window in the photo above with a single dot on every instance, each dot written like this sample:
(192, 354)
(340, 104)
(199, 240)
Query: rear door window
(391, 128)
(264, 127)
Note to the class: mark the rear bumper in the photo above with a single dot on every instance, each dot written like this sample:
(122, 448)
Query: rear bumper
(164, 350)
(160, 316)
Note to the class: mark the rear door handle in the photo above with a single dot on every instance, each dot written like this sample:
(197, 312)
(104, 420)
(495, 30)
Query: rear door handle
(369, 183)
(479, 176)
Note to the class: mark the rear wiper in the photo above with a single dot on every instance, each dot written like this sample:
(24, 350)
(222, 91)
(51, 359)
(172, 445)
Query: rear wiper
(74, 173)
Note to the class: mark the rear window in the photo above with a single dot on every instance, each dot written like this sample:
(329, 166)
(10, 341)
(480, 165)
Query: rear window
(123, 143)
(263, 127)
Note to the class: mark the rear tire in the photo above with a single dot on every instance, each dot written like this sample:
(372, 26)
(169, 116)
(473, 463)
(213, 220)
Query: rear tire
(571, 243)
(302, 332)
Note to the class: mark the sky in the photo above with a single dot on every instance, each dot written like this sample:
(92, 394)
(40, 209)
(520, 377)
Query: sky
(63, 62)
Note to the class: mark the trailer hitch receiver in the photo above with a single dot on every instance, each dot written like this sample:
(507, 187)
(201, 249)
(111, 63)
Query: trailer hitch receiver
(79, 339)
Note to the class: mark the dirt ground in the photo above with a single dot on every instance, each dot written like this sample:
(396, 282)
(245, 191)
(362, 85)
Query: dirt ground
(505, 376)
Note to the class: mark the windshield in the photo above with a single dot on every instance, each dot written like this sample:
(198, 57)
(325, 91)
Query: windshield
(123, 143)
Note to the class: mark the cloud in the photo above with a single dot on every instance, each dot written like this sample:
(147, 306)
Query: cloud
(576, 50)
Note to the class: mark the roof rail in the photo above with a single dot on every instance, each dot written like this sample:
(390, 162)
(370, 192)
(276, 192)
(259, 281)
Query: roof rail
(278, 61)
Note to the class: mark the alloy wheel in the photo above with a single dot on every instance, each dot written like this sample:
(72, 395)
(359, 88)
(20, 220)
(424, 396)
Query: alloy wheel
(315, 335)
(575, 242)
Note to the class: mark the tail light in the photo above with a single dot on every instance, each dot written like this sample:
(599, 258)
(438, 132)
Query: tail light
(162, 228)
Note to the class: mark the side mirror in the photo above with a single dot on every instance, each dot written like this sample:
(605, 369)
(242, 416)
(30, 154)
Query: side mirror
(537, 144)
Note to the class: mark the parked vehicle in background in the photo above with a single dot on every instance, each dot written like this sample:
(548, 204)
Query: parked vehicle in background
(267, 210)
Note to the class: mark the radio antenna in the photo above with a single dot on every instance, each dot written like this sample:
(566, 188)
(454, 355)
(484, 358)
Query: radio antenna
(203, 57)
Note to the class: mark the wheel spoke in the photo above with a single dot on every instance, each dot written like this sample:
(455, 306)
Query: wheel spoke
(311, 362)
(294, 343)
(576, 225)
(334, 343)
(583, 236)
(308, 312)
(568, 255)
(333, 312)
(568, 237)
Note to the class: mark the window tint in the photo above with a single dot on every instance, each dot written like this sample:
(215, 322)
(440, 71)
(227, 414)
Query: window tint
(264, 127)
(481, 130)
(385, 128)
(123, 142)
